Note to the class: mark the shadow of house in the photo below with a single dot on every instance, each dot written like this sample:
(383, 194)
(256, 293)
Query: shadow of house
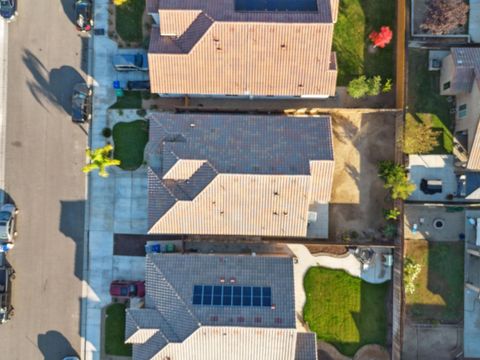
(50, 85)
(360, 209)
(72, 222)
(54, 345)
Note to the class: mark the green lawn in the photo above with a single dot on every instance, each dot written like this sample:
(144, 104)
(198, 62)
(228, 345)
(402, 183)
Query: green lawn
(439, 287)
(115, 331)
(129, 140)
(424, 98)
(129, 100)
(356, 20)
(128, 20)
(344, 310)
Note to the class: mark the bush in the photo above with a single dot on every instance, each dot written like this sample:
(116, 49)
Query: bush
(107, 132)
(391, 214)
(395, 178)
(363, 86)
(141, 112)
(119, 2)
(389, 231)
(146, 95)
(411, 270)
(420, 137)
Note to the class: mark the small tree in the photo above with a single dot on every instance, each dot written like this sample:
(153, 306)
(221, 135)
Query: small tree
(444, 16)
(119, 2)
(382, 38)
(419, 137)
(100, 159)
(411, 270)
(395, 178)
(387, 87)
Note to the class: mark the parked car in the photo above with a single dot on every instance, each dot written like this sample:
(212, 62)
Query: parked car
(83, 15)
(130, 62)
(8, 214)
(138, 85)
(6, 276)
(81, 103)
(127, 289)
(71, 358)
(8, 9)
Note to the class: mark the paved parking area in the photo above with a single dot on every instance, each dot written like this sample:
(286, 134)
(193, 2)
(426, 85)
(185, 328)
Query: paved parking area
(360, 141)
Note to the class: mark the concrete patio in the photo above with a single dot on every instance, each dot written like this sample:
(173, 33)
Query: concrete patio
(423, 216)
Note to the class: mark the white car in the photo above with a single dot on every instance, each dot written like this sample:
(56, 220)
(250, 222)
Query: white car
(8, 213)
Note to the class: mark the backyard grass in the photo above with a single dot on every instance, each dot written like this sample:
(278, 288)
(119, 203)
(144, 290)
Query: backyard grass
(128, 20)
(356, 20)
(424, 98)
(115, 331)
(344, 310)
(129, 100)
(439, 287)
(129, 140)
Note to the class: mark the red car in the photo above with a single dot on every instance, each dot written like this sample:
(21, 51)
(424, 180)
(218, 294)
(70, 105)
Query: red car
(127, 289)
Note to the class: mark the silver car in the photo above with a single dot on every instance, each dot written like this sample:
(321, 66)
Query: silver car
(8, 213)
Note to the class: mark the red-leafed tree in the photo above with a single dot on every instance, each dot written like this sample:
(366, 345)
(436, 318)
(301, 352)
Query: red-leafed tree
(445, 16)
(382, 38)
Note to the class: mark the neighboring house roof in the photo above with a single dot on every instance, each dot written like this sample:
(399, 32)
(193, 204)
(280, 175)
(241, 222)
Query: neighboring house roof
(206, 47)
(466, 69)
(171, 326)
(235, 174)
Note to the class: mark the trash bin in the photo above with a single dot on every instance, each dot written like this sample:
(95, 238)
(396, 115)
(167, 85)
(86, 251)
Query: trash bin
(119, 92)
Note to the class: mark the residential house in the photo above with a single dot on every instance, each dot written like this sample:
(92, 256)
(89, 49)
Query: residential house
(460, 77)
(203, 306)
(243, 48)
(223, 174)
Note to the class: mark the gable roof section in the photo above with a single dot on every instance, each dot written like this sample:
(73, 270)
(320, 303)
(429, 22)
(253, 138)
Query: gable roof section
(233, 174)
(205, 47)
(244, 332)
(466, 69)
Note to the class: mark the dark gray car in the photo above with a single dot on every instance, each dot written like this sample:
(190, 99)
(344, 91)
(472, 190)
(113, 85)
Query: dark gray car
(8, 213)
(130, 62)
(81, 103)
(8, 9)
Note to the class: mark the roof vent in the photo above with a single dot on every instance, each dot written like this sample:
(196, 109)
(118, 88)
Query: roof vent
(273, 307)
(233, 280)
(276, 193)
(222, 279)
(283, 46)
(192, 125)
(459, 61)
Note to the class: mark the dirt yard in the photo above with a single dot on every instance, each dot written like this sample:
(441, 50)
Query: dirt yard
(360, 141)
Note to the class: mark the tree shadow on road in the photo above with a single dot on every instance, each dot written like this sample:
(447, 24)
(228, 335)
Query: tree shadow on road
(54, 345)
(72, 222)
(53, 86)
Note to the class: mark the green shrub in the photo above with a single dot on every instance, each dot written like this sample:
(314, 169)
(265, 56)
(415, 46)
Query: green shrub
(411, 270)
(395, 178)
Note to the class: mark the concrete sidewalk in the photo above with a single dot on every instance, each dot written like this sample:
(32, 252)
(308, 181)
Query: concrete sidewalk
(116, 203)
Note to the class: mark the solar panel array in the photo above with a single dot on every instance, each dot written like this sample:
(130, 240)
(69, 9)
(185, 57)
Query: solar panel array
(226, 295)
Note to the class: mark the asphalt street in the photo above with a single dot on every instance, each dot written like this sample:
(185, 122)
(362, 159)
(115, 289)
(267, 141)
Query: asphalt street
(44, 157)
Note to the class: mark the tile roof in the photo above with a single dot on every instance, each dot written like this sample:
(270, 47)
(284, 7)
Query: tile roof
(237, 174)
(171, 326)
(204, 47)
(467, 69)
(474, 156)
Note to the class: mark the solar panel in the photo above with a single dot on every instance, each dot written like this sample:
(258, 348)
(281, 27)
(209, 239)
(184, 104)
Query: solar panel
(227, 295)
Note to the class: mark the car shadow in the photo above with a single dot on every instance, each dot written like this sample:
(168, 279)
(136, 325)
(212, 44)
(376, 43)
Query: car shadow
(54, 345)
(52, 86)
